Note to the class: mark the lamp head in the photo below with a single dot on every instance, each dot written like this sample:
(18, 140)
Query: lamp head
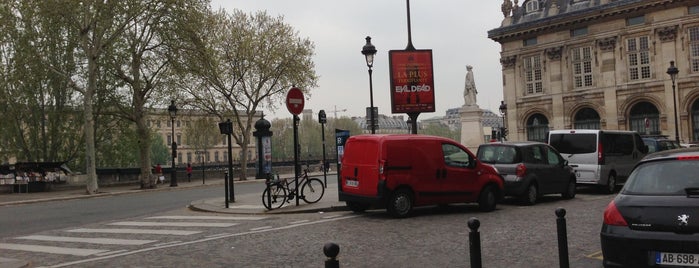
(369, 51)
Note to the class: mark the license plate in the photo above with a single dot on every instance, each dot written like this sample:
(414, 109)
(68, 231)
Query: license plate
(678, 259)
(352, 183)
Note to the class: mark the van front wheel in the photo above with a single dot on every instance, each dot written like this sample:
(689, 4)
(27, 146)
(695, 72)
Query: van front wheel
(488, 199)
(400, 203)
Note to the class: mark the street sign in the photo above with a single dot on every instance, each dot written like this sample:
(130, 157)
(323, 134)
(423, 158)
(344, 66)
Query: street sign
(294, 101)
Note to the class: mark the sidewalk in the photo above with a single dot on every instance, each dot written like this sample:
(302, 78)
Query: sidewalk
(244, 203)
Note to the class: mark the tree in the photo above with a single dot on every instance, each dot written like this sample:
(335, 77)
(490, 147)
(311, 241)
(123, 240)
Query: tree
(202, 134)
(437, 129)
(235, 64)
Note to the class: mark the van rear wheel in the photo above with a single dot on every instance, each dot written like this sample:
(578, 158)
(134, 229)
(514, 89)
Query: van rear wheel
(611, 184)
(530, 195)
(488, 199)
(400, 203)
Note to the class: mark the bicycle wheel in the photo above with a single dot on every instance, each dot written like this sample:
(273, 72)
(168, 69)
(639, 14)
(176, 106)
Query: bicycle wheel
(274, 196)
(312, 191)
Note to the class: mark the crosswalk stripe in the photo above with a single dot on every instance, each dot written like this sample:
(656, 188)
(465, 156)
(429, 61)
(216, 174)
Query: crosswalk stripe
(103, 241)
(233, 218)
(173, 224)
(52, 250)
(134, 231)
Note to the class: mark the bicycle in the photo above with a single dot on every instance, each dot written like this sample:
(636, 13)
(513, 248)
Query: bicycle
(280, 191)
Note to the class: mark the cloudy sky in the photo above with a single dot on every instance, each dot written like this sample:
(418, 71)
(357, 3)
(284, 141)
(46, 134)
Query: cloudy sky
(455, 30)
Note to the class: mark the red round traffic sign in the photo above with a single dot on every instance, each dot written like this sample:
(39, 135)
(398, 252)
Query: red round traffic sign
(294, 101)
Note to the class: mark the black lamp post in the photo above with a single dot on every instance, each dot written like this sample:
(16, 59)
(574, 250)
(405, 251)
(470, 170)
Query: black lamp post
(503, 111)
(227, 129)
(322, 119)
(369, 51)
(172, 109)
(673, 71)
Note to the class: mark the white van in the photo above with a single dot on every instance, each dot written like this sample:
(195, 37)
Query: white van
(601, 157)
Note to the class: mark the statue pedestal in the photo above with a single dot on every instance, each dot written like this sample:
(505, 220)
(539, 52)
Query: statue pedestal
(471, 127)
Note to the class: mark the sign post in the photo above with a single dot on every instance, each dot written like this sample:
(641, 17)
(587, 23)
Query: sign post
(295, 103)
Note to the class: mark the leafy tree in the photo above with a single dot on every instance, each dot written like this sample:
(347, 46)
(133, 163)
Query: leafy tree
(235, 64)
(441, 130)
(202, 134)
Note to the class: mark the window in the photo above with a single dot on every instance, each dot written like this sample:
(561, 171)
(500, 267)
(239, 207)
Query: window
(552, 157)
(694, 48)
(189, 157)
(178, 123)
(532, 74)
(537, 128)
(216, 157)
(179, 158)
(169, 123)
(694, 10)
(532, 6)
(578, 32)
(530, 42)
(638, 53)
(169, 139)
(454, 156)
(582, 67)
(636, 20)
(157, 123)
(179, 139)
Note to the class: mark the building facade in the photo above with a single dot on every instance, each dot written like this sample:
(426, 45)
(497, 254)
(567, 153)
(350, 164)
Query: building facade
(600, 64)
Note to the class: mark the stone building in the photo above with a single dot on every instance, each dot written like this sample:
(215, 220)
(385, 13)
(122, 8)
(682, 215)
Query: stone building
(600, 64)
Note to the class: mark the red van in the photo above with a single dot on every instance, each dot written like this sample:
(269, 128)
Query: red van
(400, 172)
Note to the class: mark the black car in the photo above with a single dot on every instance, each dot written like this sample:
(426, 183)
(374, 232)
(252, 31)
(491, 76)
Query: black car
(660, 143)
(529, 169)
(654, 220)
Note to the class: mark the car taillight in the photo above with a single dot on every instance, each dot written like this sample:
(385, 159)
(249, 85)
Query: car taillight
(521, 170)
(612, 216)
(600, 154)
(688, 158)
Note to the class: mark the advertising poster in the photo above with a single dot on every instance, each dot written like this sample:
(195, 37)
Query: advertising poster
(412, 81)
(267, 154)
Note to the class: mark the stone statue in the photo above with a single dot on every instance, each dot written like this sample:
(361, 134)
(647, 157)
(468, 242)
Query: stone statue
(470, 88)
(506, 8)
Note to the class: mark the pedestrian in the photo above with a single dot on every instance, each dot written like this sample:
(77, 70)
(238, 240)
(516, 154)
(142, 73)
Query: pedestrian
(189, 172)
(159, 174)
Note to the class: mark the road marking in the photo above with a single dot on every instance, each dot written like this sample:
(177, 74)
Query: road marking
(232, 218)
(297, 222)
(247, 207)
(167, 243)
(261, 228)
(217, 235)
(199, 241)
(134, 231)
(53, 250)
(103, 241)
(173, 224)
(332, 216)
(110, 252)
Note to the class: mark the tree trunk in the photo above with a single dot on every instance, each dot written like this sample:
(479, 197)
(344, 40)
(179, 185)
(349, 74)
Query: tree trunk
(90, 168)
(144, 141)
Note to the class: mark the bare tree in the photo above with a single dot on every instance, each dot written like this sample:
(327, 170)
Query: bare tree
(239, 63)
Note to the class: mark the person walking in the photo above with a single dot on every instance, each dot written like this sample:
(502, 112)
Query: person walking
(159, 174)
(189, 172)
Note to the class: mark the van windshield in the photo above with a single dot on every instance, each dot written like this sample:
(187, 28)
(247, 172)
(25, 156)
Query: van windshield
(574, 143)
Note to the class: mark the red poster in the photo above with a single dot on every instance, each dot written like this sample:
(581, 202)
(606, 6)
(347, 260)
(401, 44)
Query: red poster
(412, 81)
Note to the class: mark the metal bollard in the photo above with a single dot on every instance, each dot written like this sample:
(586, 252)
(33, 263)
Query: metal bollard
(331, 250)
(562, 238)
(474, 242)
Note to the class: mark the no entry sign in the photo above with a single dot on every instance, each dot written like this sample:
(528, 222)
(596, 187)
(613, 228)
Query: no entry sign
(294, 101)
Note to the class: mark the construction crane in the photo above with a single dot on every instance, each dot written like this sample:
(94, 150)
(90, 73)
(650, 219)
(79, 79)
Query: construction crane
(336, 110)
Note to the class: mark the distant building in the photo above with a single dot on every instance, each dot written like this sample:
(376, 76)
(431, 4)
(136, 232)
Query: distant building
(396, 124)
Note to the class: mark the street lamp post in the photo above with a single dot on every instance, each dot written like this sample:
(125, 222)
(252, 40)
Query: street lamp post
(172, 109)
(369, 51)
(673, 71)
(503, 111)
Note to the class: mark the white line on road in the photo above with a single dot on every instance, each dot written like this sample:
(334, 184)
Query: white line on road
(201, 241)
(333, 216)
(261, 228)
(103, 241)
(297, 222)
(110, 252)
(134, 231)
(52, 250)
(173, 224)
(232, 218)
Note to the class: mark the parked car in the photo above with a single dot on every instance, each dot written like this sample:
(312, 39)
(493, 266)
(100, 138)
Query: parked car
(660, 143)
(530, 169)
(400, 172)
(654, 220)
(599, 157)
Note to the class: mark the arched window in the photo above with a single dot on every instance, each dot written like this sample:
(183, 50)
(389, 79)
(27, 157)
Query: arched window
(537, 128)
(587, 118)
(695, 121)
(644, 118)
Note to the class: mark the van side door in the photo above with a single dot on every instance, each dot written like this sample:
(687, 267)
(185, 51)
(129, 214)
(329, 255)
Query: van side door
(459, 175)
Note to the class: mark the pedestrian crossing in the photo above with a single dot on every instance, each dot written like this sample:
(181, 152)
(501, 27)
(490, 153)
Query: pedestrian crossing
(157, 228)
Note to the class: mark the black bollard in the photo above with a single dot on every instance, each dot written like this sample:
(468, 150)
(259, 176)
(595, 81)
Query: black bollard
(474, 242)
(331, 250)
(562, 238)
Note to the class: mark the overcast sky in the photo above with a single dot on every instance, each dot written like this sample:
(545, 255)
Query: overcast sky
(455, 30)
